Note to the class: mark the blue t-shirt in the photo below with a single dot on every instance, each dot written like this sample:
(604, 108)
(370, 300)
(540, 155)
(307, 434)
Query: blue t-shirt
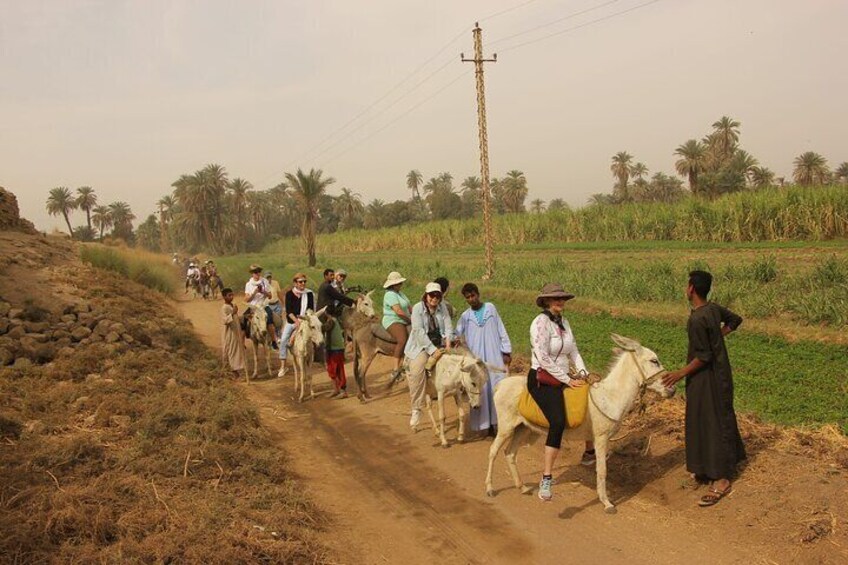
(390, 299)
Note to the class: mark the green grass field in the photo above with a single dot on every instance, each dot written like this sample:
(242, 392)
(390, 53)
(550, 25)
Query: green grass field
(796, 382)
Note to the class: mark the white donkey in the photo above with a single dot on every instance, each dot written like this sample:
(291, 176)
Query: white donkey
(305, 339)
(259, 335)
(455, 375)
(634, 369)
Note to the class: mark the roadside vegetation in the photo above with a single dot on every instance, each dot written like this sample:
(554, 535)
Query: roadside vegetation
(149, 269)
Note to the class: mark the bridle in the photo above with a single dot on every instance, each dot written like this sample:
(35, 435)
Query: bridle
(644, 382)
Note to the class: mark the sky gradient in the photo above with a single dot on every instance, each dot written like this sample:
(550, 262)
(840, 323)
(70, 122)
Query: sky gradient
(127, 96)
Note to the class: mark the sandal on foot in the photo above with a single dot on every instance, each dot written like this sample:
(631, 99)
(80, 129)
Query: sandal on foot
(713, 496)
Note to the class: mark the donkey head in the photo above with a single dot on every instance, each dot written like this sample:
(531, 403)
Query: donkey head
(648, 366)
(312, 319)
(259, 321)
(473, 376)
(365, 305)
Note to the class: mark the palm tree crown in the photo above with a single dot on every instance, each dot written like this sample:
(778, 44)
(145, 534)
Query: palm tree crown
(811, 169)
(61, 202)
(86, 200)
(692, 162)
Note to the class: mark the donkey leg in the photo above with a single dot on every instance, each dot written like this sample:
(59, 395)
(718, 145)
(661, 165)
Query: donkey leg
(429, 402)
(460, 418)
(504, 435)
(369, 358)
(601, 447)
(268, 356)
(441, 401)
(511, 452)
(255, 359)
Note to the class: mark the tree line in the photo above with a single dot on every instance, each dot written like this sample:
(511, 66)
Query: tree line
(116, 218)
(712, 166)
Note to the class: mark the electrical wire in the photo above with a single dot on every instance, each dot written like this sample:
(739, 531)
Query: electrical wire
(580, 26)
(553, 22)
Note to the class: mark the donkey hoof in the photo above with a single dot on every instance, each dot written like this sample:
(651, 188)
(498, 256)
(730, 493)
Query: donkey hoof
(460, 439)
(525, 489)
(490, 493)
(610, 509)
(445, 445)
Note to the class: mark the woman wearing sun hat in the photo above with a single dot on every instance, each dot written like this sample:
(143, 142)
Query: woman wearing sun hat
(432, 330)
(554, 358)
(396, 317)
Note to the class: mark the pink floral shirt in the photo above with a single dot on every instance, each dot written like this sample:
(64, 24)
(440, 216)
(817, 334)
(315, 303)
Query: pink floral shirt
(554, 348)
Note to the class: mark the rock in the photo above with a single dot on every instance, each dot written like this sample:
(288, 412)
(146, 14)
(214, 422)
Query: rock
(4, 325)
(80, 333)
(6, 357)
(68, 309)
(112, 337)
(40, 338)
(5, 307)
(44, 353)
(119, 421)
(60, 334)
(16, 312)
(10, 215)
(118, 328)
(34, 427)
(84, 318)
(16, 332)
(36, 327)
(171, 383)
(22, 363)
(85, 341)
(80, 402)
(62, 342)
(127, 338)
(68, 318)
(82, 308)
(143, 338)
(65, 352)
(103, 327)
(95, 338)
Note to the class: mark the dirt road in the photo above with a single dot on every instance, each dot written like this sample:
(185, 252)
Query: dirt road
(398, 497)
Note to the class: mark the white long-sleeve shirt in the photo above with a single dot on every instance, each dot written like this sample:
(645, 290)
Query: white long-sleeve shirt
(554, 348)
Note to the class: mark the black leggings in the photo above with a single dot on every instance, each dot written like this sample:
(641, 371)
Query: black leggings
(549, 399)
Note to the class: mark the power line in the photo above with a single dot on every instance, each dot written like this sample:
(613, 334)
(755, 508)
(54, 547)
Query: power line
(553, 22)
(506, 11)
(585, 24)
(399, 117)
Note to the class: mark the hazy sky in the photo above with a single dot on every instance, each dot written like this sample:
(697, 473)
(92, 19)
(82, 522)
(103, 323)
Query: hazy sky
(125, 96)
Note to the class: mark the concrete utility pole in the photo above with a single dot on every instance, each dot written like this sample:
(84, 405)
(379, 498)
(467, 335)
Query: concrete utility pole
(478, 61)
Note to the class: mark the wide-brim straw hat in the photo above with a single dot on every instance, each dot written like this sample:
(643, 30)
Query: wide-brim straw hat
(341, 272)
(432, 287)
(552, 290)
(254, 268)
(298, 276)
(393, 279)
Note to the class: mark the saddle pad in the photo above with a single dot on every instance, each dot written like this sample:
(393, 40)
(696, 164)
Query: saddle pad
(381, 333)
(576, 400)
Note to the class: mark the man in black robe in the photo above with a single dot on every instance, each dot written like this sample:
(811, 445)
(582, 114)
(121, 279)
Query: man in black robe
(713, 444)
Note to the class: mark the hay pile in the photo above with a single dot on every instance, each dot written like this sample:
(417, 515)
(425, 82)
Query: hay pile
(128, 444)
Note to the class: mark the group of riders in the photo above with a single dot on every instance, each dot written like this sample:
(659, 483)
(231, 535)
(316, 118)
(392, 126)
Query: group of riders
(203, 279)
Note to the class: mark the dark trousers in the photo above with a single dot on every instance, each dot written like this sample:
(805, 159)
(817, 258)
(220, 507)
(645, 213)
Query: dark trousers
(550, 401)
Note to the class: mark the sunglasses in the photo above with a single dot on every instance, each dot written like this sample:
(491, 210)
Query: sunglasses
(300, 281)
(434, 294)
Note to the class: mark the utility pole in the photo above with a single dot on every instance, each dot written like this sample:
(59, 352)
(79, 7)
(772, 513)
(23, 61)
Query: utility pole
(478, 61)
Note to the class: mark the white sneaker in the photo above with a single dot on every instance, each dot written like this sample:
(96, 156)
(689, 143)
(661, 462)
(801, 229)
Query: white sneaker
(282, 372)
(415, 419)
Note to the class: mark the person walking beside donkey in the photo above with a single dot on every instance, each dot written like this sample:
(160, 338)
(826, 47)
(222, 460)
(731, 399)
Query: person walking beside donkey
(232, 340)
(713, 444)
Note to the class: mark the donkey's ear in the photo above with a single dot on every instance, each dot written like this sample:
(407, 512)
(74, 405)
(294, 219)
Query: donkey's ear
(617, 351)
(625, 342)
(321, 311)
(369, 293)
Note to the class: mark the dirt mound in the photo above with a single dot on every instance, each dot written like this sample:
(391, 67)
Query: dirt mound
(121, 439)
(10, 216)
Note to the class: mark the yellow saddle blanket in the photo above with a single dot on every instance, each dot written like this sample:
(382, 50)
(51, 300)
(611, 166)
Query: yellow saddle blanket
(576, 400)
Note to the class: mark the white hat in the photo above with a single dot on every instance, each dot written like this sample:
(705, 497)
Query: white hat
(192, 265)
(341, 272)
(432, 287)
(393, 279)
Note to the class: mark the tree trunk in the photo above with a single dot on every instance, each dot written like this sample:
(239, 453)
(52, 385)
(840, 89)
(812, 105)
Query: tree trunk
(88, 218)
(309, 238)
(68, 221)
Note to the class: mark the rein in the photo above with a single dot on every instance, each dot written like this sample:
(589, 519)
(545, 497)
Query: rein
(644, 382)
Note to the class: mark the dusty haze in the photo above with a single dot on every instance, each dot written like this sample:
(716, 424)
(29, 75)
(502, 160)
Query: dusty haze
(126, 96)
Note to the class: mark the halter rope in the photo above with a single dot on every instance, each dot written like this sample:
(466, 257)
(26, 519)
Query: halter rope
(643, 386)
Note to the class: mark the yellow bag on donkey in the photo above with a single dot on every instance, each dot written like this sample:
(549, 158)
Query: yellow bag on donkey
(576, 400)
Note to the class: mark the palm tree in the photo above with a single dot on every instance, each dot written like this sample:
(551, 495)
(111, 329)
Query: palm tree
(374, 214)
(693, 162)
(350, 208)
(841, 172)
(761, 177)
(638, 171)
(811, 169)
(122, 218)
(86, 200)
(621, 169)
(514, 191)
(537, 206)
(557, 204)
(307, 190)
(166, 211)
(61, 202)
(413, 181)
(238, 190)
(102, 218)
(725, 136)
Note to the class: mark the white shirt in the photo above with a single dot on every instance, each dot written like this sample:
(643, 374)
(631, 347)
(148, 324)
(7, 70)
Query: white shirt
(554, 348)
(260, 298)
(193, 272)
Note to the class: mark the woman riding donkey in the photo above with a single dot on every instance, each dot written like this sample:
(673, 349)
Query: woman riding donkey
(432, 332)
(298, 301)
(256, 294)
(556, 362)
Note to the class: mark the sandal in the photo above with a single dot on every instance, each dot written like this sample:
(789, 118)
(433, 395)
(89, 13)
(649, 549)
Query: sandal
(713, 496)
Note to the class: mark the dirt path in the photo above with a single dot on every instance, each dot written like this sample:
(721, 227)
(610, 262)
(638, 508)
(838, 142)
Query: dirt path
(397, 497)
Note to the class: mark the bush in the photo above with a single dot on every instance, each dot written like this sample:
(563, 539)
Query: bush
(148, 269)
